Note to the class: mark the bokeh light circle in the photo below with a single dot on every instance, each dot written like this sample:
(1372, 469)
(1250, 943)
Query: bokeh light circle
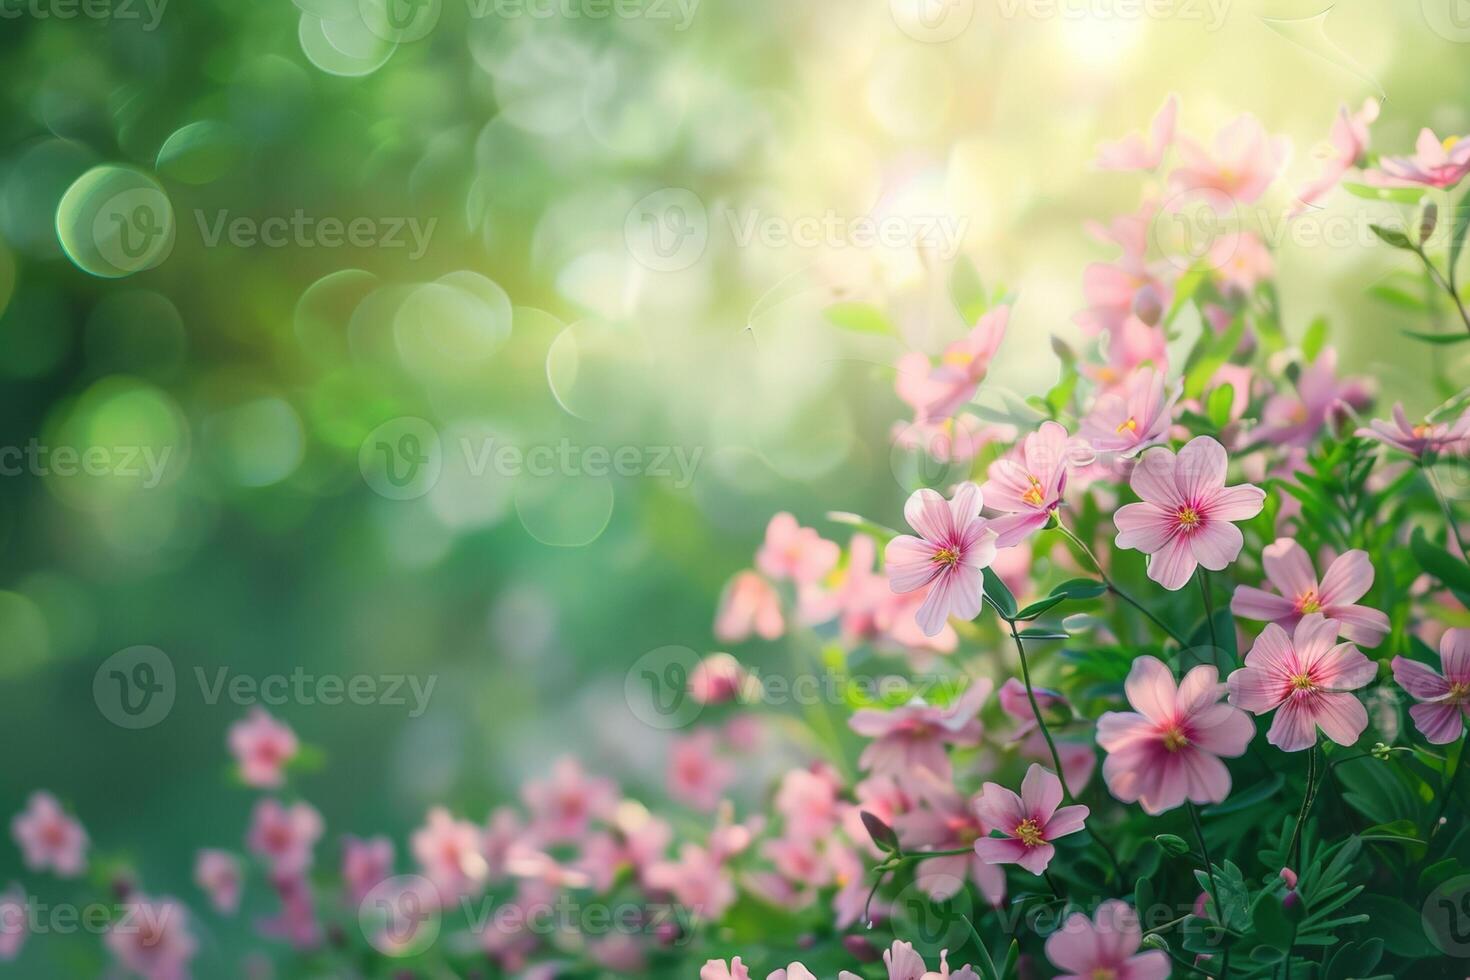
(562, 510)
(115, 221)
(343, 47)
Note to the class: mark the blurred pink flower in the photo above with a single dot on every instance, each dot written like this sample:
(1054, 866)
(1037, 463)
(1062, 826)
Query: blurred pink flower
(564, 803)
(849, 874)
(1240, 261)
(1184, 519)
(1105, 946)
(217, 873)
(1030, 822)
(914, 736)
(1168, 748)
(885, 797)
(1416, 440)
(151, 938)
(936, 393)
(720, 970)
(1298, 592)
(1296, 418)
(1026, 487)
(1134, 152)
(1347, 144)
(946, 821)
(955, 543)
(717, 679)
(698, 881)
(621, 953)
(951, 440)
(1129, 420)
(1131, 345)
(903, 963)
(448, 851)
(262, 746)
(503, 834)
(1243, 162)
(809, 803)
(1078, 757)
(14, 921)
(296, 920)
(284, 836)
(749, 604)
(49, 838)
(1445, 698)
(1436, 162)
(793, 552)
(793, 971)
(799, 859)
(365, 864)
(1309, 677)
(698, 776)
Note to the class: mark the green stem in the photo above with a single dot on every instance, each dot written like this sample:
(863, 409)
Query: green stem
(1293, 850)
(1113, 587)
(1444, 506)
(1449, 785)
(1445, 285)
(1204, 848)
(1204, 588)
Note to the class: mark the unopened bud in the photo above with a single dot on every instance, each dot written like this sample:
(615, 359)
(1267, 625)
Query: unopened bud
(1155, 941)
(1148, 306)
(1063, 350)
(1381, 751)
(1172, 844)
(1288, 876)
(1428, 222)
(881, 833)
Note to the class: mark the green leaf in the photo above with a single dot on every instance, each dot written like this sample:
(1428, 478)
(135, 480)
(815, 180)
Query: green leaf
(1354, 960)
(1080, 588)
(1399, 927)
(967, 291)
(1038, 633)
(1221, 400)
(859, 317)
(1184, 291)
(1393, 236)
(999, 595)
(1013, 954)
(1398, 195)
(1397, 297)
(1440, 563)
(1172, 844)
(1270, 923)
(1315, 338)
(1246, 799)
(1040, 606)
(1437, 338)
(1462, 229)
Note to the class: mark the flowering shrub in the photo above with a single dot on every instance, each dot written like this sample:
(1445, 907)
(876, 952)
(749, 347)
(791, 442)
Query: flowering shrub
(1198, 559)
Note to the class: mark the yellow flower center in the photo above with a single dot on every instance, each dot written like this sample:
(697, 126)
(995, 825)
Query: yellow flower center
(1128, 425)
(1029, 833)
(1309, 602)
(1459, 691)
(1104, 973)
(1421, 430)
(1033, 496)
(1188, 518)
(1450, 142)
(1175, 739)
(1301, 682)
(957, 358)
(949, 557)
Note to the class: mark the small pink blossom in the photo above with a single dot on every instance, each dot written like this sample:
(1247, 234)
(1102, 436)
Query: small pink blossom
(1134, 151)
(698, 776)
(1436, 162)
(1309, 677)
(749, 605)
(718, 679)
(800, 860)
(365, 864)
(1185, 517)
(1346, 147)
(1029, 822)
(794, 552)
(1241, 261)
(1418, 439)
(849, 874)
(698, 881)
(1299, 593)
(284, 836)
(14, 922)
(956, 439)
(793, 971)
(1296, 418)
(1244, 161)
(49, 838)
(296, 920)
(1027, 486)
(262, 746)
(151, 938)
(448, 851)
(503, 834)
(1128, 288)
(218, 875)
(946, 821)
(808, 802)
(563, 804)
(903, 963)
(1444, 698)
(937, 392)
(955, 544)
(1130, 346)
(1168, 748)
(1128, 421)
(720, 970)
(1078, 758)
(1104, 946)
(914, 736)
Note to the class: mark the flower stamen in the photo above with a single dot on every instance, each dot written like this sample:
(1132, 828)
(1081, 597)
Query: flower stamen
(1033, 496)
(948, 557)
(1189, 518)
(1029, 833)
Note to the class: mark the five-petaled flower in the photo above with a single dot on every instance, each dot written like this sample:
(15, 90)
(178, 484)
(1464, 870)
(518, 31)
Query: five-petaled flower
(1444, 698)
(1104, 947)
(1299, 593)
(954, 545)
(1029, 822)
(1419, 438)
(1026, 487)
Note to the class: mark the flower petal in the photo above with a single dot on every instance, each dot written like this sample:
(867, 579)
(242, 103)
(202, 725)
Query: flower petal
(1252, 603)
(1200, 470)
(1289, 568)
(1348, 579)
(1341, 717)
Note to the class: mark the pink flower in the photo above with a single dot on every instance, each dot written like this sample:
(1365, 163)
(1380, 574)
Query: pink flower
(698, 880)
(448, 851)
(1128, 288)
(1445, 698)
(947, 821)
(1027, 486)
(808, 802)
(1078, 758)
(262, 746)
(748, 605)
(697, 775)
(1168, 749)
(1416, 440)
(1133, 152)
(1435, 163)
(717, 679)
(365, 864)
(151, 938)
(284, 836)
(503, 835)
(794, 552)
(951, 440)
(793, 971)
(563, 804)
(955, 543)
(1308, 675)
(904, 963)
(720, 970)
(1184, 519)
(913, 737)
(1129, 421)
(1104, 946)
(1241, 261)
(14, 922)
(1131, 345)
(1030, 822)
(217, 873)
(1289, 569)
(1297, 418)
(1244, 162)
(48, 838)
(849, 874)
(1347, 144)
(296, 920)
(936, 393)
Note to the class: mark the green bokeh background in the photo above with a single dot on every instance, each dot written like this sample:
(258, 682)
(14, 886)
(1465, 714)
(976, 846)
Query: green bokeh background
(528, 141)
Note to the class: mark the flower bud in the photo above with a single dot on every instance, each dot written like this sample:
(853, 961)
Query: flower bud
(1154, 941)
(881, 833)
(1173, 844)
(1428, 222)
(1148, 306)
(1288, 876)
